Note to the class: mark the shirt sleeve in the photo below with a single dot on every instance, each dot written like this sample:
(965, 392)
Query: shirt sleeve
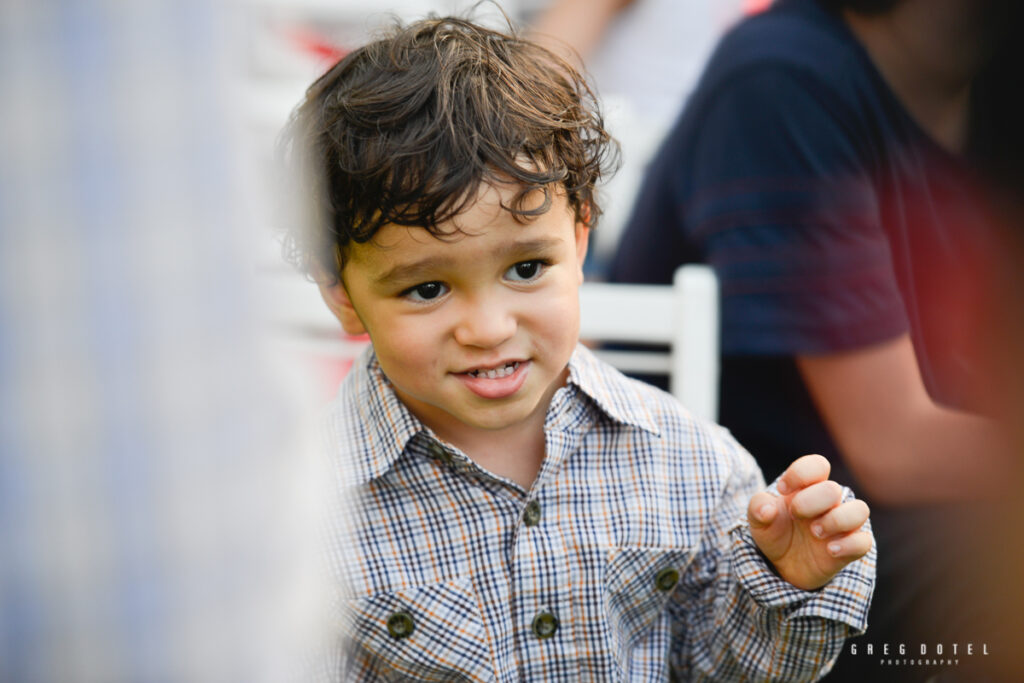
(740, 621)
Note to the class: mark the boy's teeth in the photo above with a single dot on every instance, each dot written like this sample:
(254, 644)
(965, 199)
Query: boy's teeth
(503, 371)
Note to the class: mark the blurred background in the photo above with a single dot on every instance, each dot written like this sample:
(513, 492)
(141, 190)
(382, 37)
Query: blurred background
(157, 496)
(159, 362)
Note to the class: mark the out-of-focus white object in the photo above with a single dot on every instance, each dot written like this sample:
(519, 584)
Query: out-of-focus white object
(683, 316)
(156, 510)
(655, 50)
(289, 43)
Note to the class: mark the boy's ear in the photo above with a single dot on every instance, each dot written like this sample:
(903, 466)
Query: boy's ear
(582, 241)
(337, 300)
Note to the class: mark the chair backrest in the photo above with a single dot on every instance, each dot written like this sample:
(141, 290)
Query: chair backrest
(682, 316)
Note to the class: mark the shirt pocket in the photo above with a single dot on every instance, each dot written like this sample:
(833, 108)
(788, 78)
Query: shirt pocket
(639, 583)
(424, 633)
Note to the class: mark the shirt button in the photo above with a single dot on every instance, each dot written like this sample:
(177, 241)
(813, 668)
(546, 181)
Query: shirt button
(544, 625)
(440, 452)
(400, 625)
(531, 515)
(666, 579)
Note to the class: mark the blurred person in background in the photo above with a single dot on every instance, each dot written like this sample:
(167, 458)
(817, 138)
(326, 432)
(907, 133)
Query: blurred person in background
(647, 52)
(838, 166)
(841, 165)
(643, 57)
(153, 504)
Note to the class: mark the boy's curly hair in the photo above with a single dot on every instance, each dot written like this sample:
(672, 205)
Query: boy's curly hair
(404, 130)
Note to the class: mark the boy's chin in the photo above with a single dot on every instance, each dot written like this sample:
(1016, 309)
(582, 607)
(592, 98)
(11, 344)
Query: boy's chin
(527, 404)
(498, 419)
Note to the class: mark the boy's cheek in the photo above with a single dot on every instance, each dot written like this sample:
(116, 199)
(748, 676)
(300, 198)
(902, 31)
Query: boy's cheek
(408, 344)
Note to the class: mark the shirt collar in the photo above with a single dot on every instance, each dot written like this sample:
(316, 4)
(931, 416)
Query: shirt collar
(390, 427)
(617, 396)
(388, 424)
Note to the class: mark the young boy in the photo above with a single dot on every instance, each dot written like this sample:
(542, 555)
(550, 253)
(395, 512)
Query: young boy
(524, 512)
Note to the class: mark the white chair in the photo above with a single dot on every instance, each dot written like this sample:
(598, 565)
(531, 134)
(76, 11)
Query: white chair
(682, 316)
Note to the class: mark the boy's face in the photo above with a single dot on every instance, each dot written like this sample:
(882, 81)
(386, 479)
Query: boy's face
(473, 331)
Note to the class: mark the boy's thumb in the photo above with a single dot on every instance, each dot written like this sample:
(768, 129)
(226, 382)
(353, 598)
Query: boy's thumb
(763, 509)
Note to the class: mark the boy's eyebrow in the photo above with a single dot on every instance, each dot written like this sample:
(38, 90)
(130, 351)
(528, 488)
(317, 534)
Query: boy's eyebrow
(427, 267)
(415, 270)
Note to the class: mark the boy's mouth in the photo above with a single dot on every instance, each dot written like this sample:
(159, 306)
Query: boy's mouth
(499, 381)
(495, 373)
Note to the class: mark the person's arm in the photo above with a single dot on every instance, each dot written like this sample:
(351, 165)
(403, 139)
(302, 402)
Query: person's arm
(902, 446)
(742, 620)
(806, 271)
(569, 26)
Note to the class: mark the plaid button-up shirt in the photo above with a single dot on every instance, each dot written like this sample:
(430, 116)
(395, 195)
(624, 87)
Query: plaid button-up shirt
(629, 558)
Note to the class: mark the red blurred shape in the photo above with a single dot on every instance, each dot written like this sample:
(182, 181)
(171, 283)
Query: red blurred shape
(755, 6)
(314, 44)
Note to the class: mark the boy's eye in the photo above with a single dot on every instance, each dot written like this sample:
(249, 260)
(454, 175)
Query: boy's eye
(524, 271)
(425, 292)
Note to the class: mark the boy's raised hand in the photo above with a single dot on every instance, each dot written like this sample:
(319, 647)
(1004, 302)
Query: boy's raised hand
(807, 532)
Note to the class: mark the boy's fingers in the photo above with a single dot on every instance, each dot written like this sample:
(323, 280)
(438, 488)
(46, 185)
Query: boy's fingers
(850, 547)
(816, 499)
(845, 518)
(810, 469)
(763, 509)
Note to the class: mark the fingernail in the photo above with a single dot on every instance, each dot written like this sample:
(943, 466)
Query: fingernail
(817, 530)
(782, 487)
(765, 511)
(833, 548)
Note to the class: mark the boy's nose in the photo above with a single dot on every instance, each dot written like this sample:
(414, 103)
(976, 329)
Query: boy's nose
(485, 324)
